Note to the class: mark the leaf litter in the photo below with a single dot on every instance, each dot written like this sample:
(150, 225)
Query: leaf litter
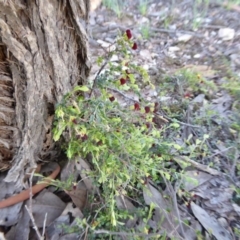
(176, 47)
(200, 51)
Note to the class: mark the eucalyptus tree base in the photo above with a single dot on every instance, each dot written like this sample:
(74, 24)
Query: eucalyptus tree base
(43, 55)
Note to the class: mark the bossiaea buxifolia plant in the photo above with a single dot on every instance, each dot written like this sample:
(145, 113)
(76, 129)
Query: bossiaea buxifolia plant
(118, 137)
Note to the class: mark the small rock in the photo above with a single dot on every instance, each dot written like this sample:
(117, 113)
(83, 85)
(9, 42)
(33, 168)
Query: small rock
(196, 56)
(146, 54)
(184, 38)
(173, 49)
(207, 20)
(146, 66)
(111, 40)
(114, 58)
(226, 34)
(143, 20)
(211, 49)
(106, 45)
(213, 33)
(172, 27)
(186, 57)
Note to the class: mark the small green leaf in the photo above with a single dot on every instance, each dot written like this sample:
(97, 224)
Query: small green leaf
(175, 125)
(81, 88)
(58, 131)
(176, 146)
(59, 112)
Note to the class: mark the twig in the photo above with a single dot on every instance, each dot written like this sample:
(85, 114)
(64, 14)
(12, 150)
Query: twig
(124, 95)
(166, 215)
(102, 231)
(34, 224)
(173, 193)
(198, 165)
(182, 123)
(176, 31)
(100, 70)
(29, 210)
(44, 225)
(95, 79)
(220, 152)
(86, 232)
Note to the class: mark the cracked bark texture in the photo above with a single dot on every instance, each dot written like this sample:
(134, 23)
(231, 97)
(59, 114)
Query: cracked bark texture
(43, 55)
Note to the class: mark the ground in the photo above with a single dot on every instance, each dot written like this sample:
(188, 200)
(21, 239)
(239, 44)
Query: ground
(203, 37)
(191, 50)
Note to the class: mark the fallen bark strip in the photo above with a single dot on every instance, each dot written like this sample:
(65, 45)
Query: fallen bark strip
(24, 195)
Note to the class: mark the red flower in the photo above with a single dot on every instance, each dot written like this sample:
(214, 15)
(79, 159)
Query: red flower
(134, 47)
(187, 95)
(74, 121)
(147, 109)
(84, 137)
(112, 98)
(136, 106)
(123, 81)
(128, 33)
(148, 125)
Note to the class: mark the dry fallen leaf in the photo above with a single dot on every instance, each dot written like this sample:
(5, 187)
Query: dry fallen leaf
(79, 197)
(83, 168)
(10, 215)
(21, 230)
(75, 212)
(46, 203)
(166, 214)
(222, 104)
(194, 178)
(123, 203)
(210, 223)
(53, 231)
(68, 170)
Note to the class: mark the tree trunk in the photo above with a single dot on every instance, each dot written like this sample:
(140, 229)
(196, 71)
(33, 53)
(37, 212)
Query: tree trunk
(43, 55)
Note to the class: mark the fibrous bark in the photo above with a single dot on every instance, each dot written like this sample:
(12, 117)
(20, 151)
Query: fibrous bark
(43, 54)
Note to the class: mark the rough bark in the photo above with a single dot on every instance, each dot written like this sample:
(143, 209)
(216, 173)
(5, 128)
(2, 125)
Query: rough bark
(43, 54)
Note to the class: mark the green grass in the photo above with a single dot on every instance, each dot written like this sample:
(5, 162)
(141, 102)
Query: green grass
(143, 6)
(117, 6)
(145, 31)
